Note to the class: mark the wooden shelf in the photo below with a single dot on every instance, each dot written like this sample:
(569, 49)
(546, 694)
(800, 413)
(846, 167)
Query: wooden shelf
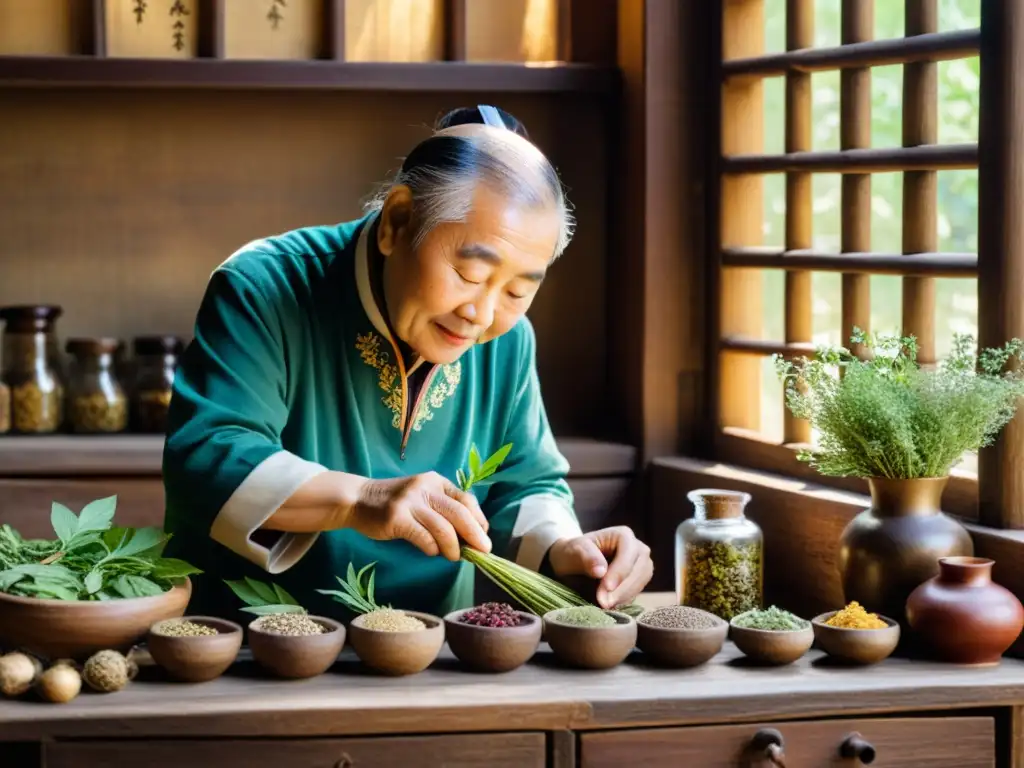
(447, 76)
(141, 455)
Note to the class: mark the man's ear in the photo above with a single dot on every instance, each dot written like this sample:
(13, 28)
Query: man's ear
(395, 219)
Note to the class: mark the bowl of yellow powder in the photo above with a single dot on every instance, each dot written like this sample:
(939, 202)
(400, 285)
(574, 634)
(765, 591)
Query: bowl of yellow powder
(855, 635)
(396, 642)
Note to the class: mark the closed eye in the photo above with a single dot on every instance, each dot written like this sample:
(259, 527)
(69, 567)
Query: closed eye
(466, 279)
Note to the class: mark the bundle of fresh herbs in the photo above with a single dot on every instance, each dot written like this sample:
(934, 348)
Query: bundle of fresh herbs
(536, 592)
(90, 558)
(887, 416)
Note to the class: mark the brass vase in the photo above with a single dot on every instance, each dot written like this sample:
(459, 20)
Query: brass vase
(887, 551)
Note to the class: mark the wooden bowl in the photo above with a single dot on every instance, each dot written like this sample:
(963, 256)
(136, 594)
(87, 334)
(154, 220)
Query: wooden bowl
(769, 646)
(297, 656)
(76, 629)
(493, 649)
(200, 658)
(398, 653)
(591, 647)
(679, 647)
(856, 646)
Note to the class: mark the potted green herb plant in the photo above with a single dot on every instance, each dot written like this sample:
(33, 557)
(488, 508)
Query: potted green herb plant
(902, 427)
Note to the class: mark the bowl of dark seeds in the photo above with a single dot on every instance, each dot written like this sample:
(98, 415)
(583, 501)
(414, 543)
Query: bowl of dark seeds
(295, 645)
(194, 649)
(493, 637)
(680, 636)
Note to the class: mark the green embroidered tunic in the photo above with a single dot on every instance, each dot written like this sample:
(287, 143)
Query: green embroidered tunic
(292, 372)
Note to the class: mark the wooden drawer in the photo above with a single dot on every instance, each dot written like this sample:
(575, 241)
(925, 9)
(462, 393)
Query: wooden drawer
(946, 742)
(499, 750)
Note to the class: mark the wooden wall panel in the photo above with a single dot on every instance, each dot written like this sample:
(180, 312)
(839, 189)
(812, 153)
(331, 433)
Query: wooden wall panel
(117, 204)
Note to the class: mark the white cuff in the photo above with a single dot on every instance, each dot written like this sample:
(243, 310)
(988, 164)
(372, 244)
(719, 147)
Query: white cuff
(542, 520)
(260, 495)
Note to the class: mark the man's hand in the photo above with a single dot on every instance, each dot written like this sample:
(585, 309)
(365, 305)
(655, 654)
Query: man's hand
(426, 510)
(622, 579)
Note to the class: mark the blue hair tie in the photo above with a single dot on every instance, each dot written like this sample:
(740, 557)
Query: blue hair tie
(491, 116)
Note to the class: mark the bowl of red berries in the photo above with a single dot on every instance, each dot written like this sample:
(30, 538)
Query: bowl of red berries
(492, 637)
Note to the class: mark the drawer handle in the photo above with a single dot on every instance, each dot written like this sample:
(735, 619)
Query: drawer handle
(345, 761)
(857, 748)
(770, 743)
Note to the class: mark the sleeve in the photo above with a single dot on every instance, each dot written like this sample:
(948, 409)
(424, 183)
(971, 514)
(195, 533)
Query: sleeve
(225, 471)
(530, 504)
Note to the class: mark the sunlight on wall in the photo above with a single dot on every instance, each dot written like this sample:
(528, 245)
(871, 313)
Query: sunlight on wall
(394, 30)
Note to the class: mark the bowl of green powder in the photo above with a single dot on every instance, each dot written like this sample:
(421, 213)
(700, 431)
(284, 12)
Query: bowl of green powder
(589, 637)
(396, 642)
(771, 636)
(680, 636)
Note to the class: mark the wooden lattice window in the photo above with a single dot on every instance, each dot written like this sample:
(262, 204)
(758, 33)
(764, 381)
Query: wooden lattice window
(914, 279)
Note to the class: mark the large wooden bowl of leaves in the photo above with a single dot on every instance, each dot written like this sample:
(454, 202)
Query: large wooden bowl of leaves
(93, 587)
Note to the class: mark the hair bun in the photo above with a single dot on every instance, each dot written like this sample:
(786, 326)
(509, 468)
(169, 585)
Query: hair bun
(473, 116)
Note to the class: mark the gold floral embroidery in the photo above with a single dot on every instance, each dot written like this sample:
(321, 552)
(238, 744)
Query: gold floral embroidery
(443, 386)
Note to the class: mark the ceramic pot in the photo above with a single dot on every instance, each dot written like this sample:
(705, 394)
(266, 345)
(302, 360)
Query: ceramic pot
(962, 615)
(888, 550)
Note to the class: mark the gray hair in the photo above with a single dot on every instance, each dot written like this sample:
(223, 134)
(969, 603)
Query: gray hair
(443, 172)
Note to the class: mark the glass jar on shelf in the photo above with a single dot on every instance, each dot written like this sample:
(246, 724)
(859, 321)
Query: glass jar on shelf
(32, 369)
(720, 555)
(97, 403)
(156, 360)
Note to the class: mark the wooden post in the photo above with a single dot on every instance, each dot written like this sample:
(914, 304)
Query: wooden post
(855, 133)
(920, 188)
(1001, 240)
(741, 217)
(799, 226)
(334, 30)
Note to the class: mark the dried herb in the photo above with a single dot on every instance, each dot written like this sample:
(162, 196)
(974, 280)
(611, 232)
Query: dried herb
(264, 599)
(90, 559)
(722, 578)
(354, 594)
(772, 619)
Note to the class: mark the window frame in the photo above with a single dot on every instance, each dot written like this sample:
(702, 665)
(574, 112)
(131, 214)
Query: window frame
(994, 497)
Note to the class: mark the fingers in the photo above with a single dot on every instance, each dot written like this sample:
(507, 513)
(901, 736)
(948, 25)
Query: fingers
(441, 530)
(632, 586)
(469, 501)
(416, 534)
(463, 521)
(580, 556)
(627, 551)
(630, 571)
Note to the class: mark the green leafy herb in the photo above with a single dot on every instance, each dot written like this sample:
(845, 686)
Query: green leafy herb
(480, 470)
(886, 416)
(89, 559)
(354, 594)
(264, 599)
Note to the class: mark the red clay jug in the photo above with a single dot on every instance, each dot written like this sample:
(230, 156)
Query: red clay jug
(962, 615)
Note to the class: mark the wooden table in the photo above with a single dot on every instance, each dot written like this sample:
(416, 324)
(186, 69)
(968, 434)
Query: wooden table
(911, 714)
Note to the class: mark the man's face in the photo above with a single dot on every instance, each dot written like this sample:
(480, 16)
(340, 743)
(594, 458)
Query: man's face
(466, 283)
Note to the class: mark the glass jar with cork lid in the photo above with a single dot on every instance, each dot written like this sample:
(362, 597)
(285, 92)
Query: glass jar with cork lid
(720, 555)
(156, 359)
(97, 403)
(32, 370)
